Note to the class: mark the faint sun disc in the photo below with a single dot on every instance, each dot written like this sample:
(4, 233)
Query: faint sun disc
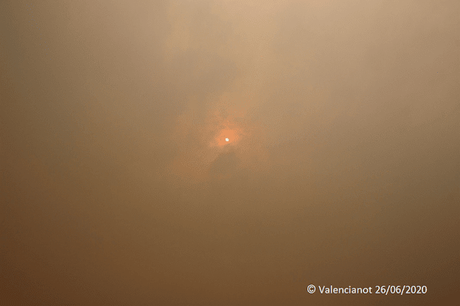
(226, 136)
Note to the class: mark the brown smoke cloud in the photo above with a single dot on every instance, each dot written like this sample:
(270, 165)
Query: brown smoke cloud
(341, 168)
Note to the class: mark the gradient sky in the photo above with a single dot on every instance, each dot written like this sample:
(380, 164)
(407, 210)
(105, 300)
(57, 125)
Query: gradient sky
(342, 165)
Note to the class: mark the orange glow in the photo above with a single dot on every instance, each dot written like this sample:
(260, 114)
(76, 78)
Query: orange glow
(227, 136)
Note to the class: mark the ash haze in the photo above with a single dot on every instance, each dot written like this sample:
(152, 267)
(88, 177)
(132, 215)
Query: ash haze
(342, 165)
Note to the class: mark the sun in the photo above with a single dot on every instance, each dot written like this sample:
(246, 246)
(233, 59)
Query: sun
(227, 136)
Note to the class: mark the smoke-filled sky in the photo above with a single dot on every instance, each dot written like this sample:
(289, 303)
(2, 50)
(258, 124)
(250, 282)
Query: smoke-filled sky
(219, 152)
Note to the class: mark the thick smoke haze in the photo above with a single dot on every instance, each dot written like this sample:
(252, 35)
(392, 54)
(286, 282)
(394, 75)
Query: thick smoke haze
(228, 152)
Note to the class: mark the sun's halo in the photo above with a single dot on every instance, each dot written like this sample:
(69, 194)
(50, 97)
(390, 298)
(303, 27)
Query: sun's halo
(227, 136)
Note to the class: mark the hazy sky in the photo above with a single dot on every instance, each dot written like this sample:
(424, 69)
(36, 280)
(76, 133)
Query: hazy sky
(342, 165)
